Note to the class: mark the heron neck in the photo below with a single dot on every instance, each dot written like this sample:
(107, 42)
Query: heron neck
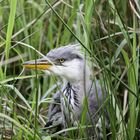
(83, 84)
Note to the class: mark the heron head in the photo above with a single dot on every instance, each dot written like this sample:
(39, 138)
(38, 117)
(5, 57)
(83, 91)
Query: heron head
(65, 61)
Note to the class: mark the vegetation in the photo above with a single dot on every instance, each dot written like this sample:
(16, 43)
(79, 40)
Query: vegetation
(109, 33)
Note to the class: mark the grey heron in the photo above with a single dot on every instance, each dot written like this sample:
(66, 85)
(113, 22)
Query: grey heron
(78, 90)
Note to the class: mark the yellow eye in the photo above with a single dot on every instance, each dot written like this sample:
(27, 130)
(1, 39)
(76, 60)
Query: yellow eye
(61, 60)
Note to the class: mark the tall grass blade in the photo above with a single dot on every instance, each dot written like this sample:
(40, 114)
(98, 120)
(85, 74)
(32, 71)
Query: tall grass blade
(11, 22)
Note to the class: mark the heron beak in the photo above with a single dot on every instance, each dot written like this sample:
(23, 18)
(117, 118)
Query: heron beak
(41, 64)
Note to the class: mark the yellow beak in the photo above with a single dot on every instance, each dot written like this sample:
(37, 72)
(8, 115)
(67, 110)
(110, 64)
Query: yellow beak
(41, 64)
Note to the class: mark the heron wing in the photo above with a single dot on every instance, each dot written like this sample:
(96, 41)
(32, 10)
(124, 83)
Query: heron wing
(54, 114)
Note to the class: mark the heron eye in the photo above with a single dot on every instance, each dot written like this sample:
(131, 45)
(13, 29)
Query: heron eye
(61, 60)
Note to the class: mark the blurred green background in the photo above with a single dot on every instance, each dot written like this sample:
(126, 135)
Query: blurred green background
(109, 29)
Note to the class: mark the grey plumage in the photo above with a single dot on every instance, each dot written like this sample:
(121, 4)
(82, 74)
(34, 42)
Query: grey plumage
(71, 97)
(80, 88)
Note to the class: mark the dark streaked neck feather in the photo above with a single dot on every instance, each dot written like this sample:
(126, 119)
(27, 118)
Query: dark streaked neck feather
(71, 95)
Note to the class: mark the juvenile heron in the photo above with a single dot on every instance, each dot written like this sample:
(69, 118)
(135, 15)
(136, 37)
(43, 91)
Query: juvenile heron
(78, 90)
